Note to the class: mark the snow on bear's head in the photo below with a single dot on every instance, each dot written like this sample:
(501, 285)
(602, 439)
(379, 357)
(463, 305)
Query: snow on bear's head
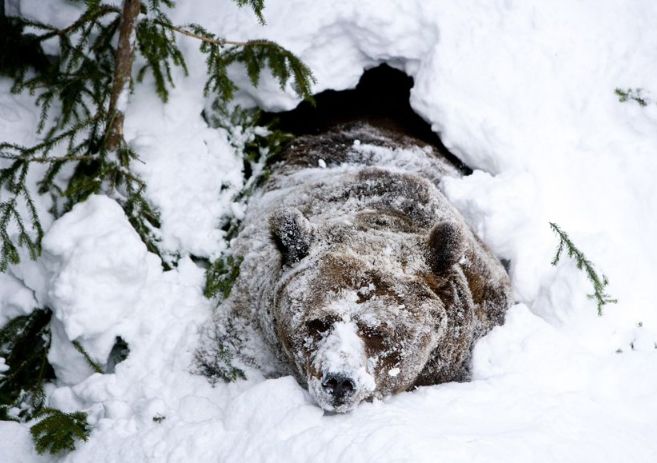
(356, 309)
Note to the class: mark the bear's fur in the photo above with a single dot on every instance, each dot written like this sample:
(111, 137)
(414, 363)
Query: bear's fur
(358, 276)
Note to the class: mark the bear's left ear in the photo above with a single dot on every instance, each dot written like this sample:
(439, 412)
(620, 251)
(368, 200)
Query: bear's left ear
(292, 233)
(446, 246)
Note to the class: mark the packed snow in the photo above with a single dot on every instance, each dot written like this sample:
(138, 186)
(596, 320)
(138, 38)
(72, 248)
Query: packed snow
(521, 91)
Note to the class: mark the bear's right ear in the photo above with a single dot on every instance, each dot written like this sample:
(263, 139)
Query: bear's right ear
(292, 233)
(446, 246)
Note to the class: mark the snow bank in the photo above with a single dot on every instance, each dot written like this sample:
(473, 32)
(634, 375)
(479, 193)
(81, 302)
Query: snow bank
(191, 170)
(98, 266)
(522, 91)
(17, 445)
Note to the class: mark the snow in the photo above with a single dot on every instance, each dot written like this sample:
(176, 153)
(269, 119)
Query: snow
(521, 91)
(15, 298)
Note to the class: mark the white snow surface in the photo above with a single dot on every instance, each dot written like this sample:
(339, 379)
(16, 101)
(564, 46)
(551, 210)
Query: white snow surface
(523, 91)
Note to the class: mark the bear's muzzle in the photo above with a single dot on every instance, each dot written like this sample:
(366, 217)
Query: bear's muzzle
(341, 379)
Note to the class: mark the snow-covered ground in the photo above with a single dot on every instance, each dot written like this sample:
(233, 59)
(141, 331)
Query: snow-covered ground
(522, 91)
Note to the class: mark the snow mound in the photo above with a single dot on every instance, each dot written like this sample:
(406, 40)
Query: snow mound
(98, 265)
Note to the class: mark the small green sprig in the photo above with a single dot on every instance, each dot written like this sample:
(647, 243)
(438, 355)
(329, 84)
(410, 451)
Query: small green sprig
(599, 282)
(221, 276)
(631, 94)
(57, 432)
(24, 344)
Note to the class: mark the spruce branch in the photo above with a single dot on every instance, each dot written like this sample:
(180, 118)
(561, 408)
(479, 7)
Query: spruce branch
(221, 276)
(631, 94)
(93, 13)
(215, 360)
(599, 282)
(254, 54)
(256, 5)
(13, 178)
(157, 44)
(204, 36)
(92, 364)
(57, 431)
(24, 344)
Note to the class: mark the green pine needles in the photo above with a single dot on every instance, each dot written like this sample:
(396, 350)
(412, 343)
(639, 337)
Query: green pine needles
(24, 344)
(221, 276)
(216, 359)
(57, 432)
(631, 94)
(599, 282)
(80, 92)
(87, 358)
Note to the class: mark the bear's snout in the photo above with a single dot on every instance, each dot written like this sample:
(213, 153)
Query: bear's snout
(339, 378)
(339, 386)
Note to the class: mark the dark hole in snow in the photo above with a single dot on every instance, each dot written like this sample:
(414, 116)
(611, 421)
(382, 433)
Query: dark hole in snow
(380, 98)
(118, 354)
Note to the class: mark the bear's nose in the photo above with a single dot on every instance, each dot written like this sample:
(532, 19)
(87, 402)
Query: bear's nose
(339, 386)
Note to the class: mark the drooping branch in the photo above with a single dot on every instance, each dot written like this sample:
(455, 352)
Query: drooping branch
(599, 282)
(208, 39)
(122, 72)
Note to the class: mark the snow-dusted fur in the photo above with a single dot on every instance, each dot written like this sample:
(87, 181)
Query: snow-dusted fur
(359, 277)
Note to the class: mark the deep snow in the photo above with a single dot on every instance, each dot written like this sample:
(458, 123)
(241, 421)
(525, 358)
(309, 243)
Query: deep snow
(522, 91)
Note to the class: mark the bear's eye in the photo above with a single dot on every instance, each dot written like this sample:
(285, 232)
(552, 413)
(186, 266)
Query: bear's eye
(318, 326)
(374, 337)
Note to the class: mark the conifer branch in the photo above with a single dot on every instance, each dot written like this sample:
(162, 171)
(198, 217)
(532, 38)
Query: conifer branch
(632, 94)
(24, 344)
(256, 5)
(599, 282)
(254, 54)
(189, 32)
(157, 44)
(57, 431)
(92, 364)
(90, 15)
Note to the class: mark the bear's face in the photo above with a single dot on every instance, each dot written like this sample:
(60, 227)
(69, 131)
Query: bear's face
(352, 327)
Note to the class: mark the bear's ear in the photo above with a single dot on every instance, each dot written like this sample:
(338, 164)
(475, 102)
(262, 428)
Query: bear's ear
(292, 233)
(446, 246)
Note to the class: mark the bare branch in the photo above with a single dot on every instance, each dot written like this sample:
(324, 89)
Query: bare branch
(122, 72)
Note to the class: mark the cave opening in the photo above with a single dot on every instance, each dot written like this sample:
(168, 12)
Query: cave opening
(382, 98)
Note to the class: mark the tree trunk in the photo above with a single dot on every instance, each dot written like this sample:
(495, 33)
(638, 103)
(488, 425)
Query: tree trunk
(122, 73)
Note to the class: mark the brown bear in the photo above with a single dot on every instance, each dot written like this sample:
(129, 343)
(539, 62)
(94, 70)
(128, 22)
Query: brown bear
(358, 275)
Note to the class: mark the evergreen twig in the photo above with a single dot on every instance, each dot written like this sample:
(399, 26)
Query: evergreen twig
(599, 282)
(631, 94)
(254, 54)
(256, 5)
(92, 364)
(57, 431)
(221, 276)
(24, 344)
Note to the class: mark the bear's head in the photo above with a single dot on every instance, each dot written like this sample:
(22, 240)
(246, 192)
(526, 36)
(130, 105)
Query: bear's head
(357, 310)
